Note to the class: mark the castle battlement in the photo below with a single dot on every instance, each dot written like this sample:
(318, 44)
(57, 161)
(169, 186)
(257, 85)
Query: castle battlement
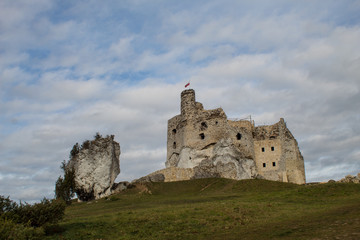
(233, 149)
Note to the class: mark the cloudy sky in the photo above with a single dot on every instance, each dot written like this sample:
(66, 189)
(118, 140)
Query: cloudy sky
(69, 69)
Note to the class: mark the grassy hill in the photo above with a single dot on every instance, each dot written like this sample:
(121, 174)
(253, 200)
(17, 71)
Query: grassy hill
(219, 209)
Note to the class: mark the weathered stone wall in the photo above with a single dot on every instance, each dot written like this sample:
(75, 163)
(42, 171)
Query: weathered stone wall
(291, 156)
(245, 151)
(350, 179)
(175, 140)
(172, 174)
(268, 155)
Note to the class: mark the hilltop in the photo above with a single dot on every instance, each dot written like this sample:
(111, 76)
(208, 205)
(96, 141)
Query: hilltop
(217, 208)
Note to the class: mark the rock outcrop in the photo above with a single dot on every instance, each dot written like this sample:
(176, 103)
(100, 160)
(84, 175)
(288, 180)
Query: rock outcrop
(220, 160)
(154, 177)
(224, 160)
(121, 186)
(350, 179)
(96, 165)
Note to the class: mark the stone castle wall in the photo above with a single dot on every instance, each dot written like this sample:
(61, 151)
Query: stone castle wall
(211, 145)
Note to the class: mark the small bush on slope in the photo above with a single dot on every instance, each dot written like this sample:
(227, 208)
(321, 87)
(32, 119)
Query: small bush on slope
(25, 221)
(38, 214)
(12, 231)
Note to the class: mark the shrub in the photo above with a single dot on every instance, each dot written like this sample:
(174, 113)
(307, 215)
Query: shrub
(74, 151)
(65, 187)
(97, 136)
(85, 145)
(51, 229)
(12, 231)
(38, 214)
(7, 207)
(25, 221)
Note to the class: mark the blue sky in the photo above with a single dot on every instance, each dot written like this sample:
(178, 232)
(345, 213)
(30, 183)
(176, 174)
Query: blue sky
(69, 69)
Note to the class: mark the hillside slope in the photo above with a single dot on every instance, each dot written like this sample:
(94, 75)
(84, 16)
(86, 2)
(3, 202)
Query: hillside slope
(219, 209)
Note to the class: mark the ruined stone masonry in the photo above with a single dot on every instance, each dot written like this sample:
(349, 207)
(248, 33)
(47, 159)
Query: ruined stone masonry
(205, 143)
(351, 179)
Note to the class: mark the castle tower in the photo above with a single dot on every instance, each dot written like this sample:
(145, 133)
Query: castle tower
(187, 102)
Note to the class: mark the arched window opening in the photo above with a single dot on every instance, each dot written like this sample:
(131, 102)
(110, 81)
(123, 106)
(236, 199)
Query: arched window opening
(238, 136)
(174, 131)
(264, 164)
(274, 164)
(203, 126)
(263, 149)
(174, 145)
(202, 136)
(272, 148)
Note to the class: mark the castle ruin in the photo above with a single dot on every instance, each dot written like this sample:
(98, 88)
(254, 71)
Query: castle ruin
(205, 143)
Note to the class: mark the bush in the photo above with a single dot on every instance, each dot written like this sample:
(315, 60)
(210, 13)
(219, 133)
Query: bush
(74, 151)
(12, 231)
(25, 221)
(97, 136)
(85, 145)
(38, 214)
(7, 207)
(51, 229)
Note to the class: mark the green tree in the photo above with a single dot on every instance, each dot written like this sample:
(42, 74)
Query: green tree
(65, 186)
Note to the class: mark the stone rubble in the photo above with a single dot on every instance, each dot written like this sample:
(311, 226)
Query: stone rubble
(350, 179)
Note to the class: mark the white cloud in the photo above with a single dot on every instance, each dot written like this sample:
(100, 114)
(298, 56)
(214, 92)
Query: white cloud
(68, 71)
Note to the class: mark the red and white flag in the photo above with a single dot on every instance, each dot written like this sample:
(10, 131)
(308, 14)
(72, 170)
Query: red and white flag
(187, 84)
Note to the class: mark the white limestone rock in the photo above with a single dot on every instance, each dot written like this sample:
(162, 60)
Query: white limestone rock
(221, 159)
(350, 179)
(226, 162)
(96, 167)
(190, 158)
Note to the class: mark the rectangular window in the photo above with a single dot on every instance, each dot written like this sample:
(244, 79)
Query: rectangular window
(264, 164)
(274, 164)
(263, 149)
(272, 149)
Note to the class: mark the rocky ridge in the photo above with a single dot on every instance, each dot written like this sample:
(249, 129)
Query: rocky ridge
(220, 160)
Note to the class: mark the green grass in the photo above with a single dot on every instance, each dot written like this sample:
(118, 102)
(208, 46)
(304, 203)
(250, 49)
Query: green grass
(219, 209)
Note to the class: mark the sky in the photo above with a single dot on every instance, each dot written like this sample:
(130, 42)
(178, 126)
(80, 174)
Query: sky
(69, 69)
